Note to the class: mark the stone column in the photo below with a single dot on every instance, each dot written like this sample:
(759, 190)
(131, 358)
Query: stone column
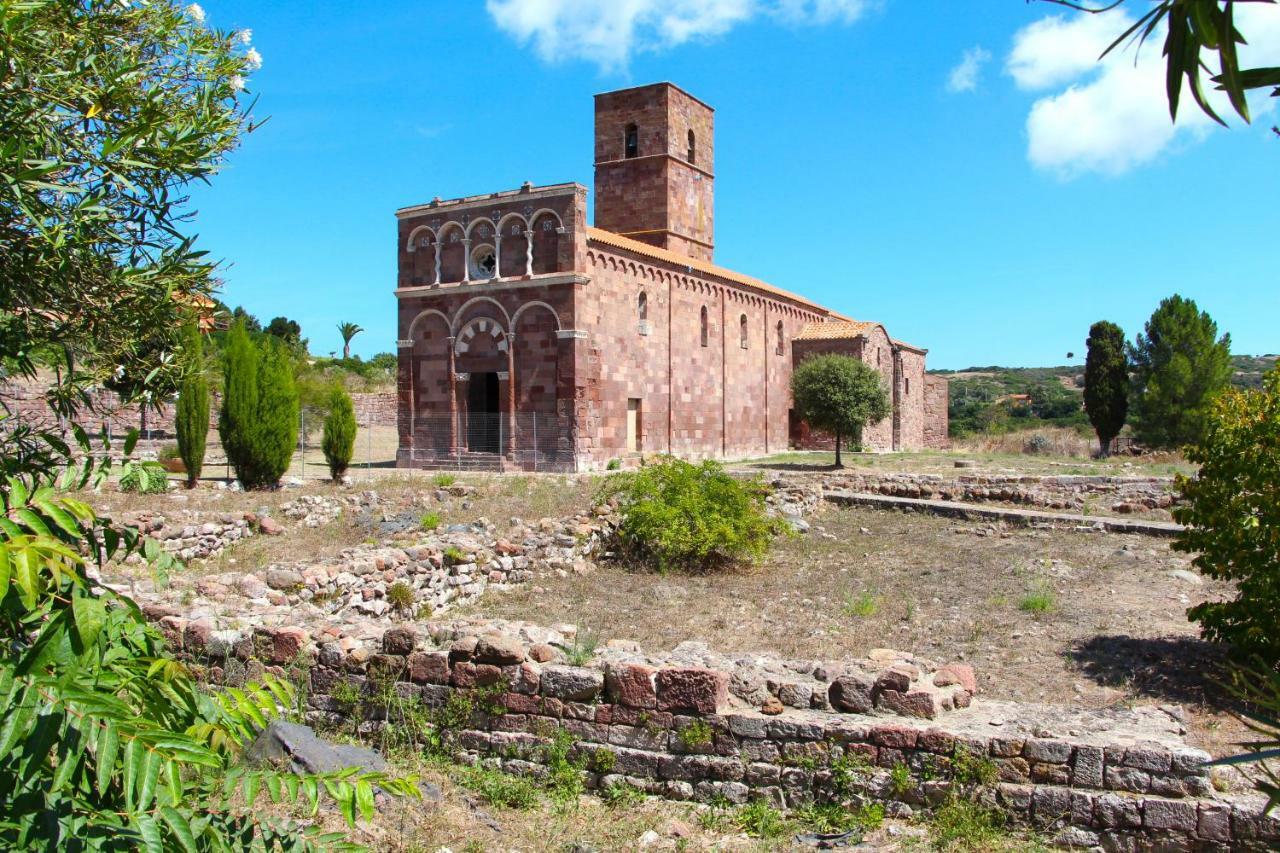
(575, 408)
(511, 395)
(438, 244)
(466, 260)
(453, 397)
(405, 403)
(497, 255)
(528, 250)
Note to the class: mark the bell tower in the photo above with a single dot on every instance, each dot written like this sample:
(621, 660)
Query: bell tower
(655, 168)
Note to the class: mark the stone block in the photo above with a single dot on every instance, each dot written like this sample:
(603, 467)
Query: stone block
(429, 667)
(957, 674)
(1047, 751)
(852, 693)
(572, 683)
(632, 685)
(1214, 822)
(924, 704)
(1112, 811)
(400, 640)
(1169, 815)
(1086, 768)
(498, 649)
(701, 691)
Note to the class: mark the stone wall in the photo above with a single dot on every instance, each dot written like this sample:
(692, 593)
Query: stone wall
(694, 725)
(937, 391)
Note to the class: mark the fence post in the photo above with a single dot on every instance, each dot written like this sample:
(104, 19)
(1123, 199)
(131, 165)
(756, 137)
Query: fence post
(535, 442)
(368, 442)
(302, 413)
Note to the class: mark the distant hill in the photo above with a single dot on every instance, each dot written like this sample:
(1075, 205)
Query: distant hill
(1010, 398)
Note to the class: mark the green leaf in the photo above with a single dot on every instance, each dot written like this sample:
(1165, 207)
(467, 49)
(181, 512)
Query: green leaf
(180, 827)
(150, 776)
(108, 749)
(152, 838)
(5, 570)
(33, 522)
(364, 798)
(130, 442)
(90, 615)
(17, 493)
(17, 721)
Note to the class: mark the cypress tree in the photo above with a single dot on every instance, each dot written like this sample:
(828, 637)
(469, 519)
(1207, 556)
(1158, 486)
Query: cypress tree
(339, 433)
(192, 416)
(1106, 382)
(259, 418)
(239, 401)
(276, 432)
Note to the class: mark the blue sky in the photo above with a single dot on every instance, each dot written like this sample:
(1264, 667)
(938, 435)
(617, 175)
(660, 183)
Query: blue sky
(972, 179)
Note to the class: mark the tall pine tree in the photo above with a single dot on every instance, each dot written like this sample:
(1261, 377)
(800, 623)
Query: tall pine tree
(192, 416)
(1106, 382)
(1179, 366)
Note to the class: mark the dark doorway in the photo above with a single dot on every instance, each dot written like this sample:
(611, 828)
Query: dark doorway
(483, 418)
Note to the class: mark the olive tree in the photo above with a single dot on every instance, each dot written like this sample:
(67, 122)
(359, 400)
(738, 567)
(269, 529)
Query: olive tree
(839, 394)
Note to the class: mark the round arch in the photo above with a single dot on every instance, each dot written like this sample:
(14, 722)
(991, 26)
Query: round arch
(415, 232)
(515, 318)
(472, 301)
(477, 326)
(413, 325)
(502, 223)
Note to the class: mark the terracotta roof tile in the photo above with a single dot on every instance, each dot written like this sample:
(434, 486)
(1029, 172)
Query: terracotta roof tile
(834, 330)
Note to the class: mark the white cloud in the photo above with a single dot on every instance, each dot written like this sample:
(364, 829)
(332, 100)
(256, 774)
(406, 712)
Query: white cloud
(964, 77)
(1112, 115)
(608, 32)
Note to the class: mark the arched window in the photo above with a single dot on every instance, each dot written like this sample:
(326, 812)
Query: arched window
(692, 147)
(742, 331)
(908, 388)
(704, 325)
(877, 356)
(642, 306)
(631, 141)
(781, 343)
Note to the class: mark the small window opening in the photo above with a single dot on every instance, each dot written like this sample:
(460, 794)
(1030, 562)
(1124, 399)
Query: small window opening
(642, 306)
(742, 331)
(704, 325)
(877, 356)
(692, 158)
(908, 386)
(631, 141)
(781, 343)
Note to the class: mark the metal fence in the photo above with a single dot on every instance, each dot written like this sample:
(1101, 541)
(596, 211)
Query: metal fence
(492, 441)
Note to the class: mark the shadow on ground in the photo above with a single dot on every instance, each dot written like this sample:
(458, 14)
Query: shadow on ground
(1187, 670)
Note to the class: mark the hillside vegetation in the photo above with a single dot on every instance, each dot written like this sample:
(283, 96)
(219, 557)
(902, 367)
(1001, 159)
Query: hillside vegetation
(1008, 399)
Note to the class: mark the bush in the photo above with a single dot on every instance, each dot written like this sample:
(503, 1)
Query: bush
(429, 521)
(1037, 444)
(191, 420)
(144, 478)
(339, 433)
(259, 419)
(1232, 519)
(683, 516)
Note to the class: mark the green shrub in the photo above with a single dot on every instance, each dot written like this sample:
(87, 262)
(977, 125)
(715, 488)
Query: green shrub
(696, 734)
(621, 795)
(583, 648)
(900, 779)
(863, 606)
(191, 420)
(677, 515)
(144, 478)
(339, 439)
(1039, 600)
(259, 419)
(613, 465)
(454, 556)
(500, 789)
(1232, 519)
(960, 824)
(429, 521)
(401, 596)
(444, 481)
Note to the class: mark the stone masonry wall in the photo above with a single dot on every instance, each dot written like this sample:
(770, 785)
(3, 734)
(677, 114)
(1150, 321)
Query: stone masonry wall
(696, 725)
(936, 416)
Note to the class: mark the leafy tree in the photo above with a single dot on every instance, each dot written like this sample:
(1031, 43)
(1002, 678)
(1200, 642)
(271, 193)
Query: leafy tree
(285, 329)
(348, 331)
(1179, 366)
(1194, 27)
(107, 110)
(1231, 510)
(1106, 382)
(339, 433)
(250, 322)
(192, 417)
(839, 394)
(678, 515)
(259, 419)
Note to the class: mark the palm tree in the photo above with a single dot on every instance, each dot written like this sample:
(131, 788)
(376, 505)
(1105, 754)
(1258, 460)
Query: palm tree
(348, 331)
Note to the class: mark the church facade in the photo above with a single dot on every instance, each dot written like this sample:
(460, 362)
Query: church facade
(529, 339)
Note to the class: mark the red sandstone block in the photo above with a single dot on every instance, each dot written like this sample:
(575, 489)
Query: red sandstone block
(466, 674)
(691, 689)
(282, 645)
(894, 737)
(520, 703)
(429, 667)
(936, 741)
(632, 684)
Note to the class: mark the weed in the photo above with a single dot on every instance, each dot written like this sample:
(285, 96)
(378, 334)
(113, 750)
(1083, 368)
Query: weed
(500, 789)
(454, 556)
(760, 820)
(1039, 600)
(424, 611)
(443, 481)
(583, 648)
(613, 465)
(564, 779)
(429, 521)
(602, 761)
(900, 780)
(847, 771)
(863, 606)
(832, 817)
(696, 734)
(960, 824)
(713, 819)
(401, 596)
(969, 768)
(621, 795)
(344, 693)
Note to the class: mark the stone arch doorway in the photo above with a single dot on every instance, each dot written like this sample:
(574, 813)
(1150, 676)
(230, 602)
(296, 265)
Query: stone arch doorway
(484, 413)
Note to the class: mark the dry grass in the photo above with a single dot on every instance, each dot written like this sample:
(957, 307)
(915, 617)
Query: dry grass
(1116, 631)
(1060, 442)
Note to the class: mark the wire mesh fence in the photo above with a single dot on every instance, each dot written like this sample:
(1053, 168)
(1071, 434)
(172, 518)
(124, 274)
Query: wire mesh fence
(528, 441)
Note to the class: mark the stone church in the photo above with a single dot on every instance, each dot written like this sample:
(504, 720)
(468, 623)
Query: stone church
(529, 339)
